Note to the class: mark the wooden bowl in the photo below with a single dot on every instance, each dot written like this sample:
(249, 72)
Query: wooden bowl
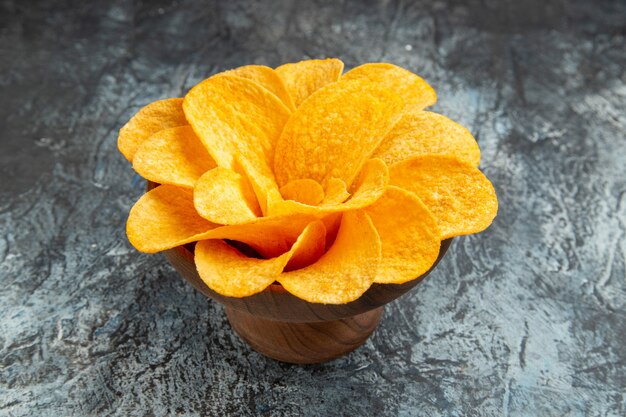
(289, 329)
(286, 328)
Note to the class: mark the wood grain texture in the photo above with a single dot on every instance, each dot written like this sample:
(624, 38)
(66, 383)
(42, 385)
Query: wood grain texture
(524, 319)
(277, 304)
(304, 343)
(287, 328)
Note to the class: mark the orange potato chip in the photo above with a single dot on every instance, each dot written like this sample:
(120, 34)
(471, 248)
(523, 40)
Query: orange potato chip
(268, 78)
(230, 273)
(269, 236)
(290, 165)
(309, 247)
(408, 233)
(164, 218)
(305, 77)
(156, 116)
(369, 187)
(346, 271)
(239, 122)
(335, 131)
(336, 192)
(332, 222)
(173, 156)
(421, 132)
(459, 196)
(304, 191)
(236, 118)
(263, 184)
(414, 90)
(223, 196)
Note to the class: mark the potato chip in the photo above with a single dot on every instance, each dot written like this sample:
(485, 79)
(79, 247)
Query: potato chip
(370, 187)
(235, 118)
(421, 132)
(264, 185)
(408, 233)
(346, 271)
(305, 77)
(335, 131)
(332, 222)
(223, 196)
(336, 192)
(416, 92)
(268, 78)
(164, 218)
(304, 191)
(269, 236)
(309, 247)
(230, 273)
(238, 120)
(173, 156)
(281, 175)
(459, 196)
(162, 114)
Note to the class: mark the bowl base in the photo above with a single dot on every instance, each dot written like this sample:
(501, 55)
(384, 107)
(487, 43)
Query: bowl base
(304, 343)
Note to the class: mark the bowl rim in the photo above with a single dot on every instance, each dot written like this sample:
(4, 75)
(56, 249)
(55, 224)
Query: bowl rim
(277, 286)
(276, 303)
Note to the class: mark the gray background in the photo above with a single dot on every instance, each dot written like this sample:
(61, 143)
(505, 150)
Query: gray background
(525, 319)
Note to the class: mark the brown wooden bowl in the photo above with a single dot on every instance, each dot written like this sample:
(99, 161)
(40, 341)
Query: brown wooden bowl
(289, 329)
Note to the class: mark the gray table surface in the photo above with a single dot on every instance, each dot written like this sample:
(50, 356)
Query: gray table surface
(525, 319)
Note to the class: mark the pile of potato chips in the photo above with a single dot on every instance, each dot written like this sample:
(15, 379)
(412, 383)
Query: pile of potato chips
(330, 181)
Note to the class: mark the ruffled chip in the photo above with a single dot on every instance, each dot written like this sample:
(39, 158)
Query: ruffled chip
(305, 77)
(415, 92)
(162, 114)
(164, 218)
(460, 196)
(227, 271)
(173, 156)
(408, 233)
(335, 131)
(346, 271)
(223, 196)
(268, 78)
(422, 132)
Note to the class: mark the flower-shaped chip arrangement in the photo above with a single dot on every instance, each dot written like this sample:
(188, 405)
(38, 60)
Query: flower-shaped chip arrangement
(321, 181)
